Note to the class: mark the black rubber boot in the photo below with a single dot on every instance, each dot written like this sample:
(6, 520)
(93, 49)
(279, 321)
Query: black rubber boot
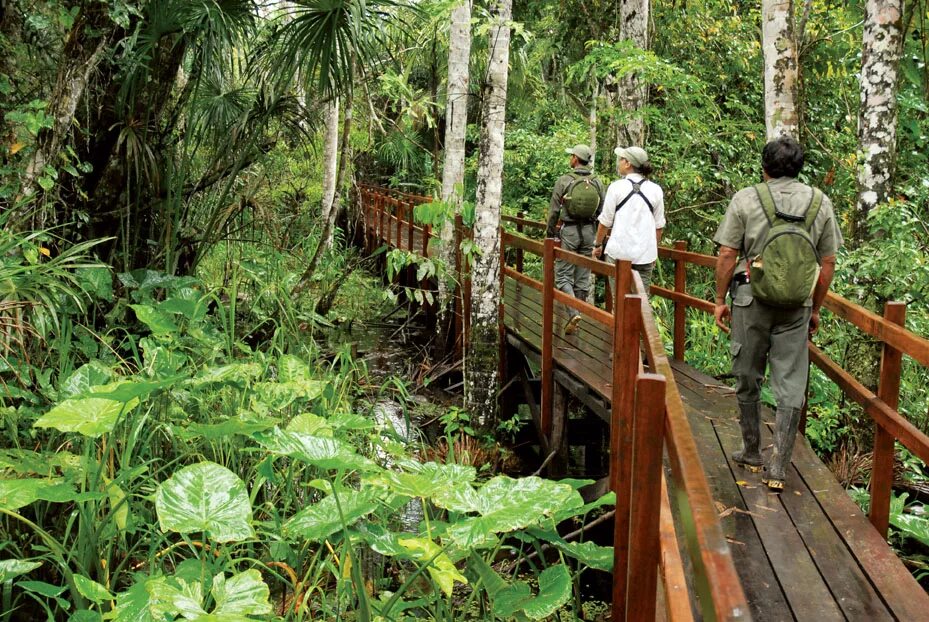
(785, 433)
(749, 421)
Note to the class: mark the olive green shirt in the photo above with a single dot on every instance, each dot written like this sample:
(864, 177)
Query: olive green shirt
(554, 209)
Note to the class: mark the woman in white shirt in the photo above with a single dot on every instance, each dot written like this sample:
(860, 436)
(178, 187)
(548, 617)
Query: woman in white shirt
(632, 215)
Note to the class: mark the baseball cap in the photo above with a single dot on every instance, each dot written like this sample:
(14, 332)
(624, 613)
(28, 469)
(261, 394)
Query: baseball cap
(583, 152)
(636, 156)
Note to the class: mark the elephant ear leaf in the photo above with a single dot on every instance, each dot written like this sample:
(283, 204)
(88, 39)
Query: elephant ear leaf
(12, 568)
(205, 497)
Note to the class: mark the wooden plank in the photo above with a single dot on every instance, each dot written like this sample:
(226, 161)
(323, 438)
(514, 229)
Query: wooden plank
(680, 307)
(600, 268)
(899, 590)
(677, 297)
(707, 261)
(849, 585)
(765, 598)
(805, 587)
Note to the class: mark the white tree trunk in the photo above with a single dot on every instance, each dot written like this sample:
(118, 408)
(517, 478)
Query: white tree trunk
(482, 354)
(877, 122)
(632, 94)
(780, 69)
(330, 165)
(456, 124)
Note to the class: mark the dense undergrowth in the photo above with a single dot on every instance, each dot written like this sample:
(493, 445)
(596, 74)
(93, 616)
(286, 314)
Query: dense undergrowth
(207, 456)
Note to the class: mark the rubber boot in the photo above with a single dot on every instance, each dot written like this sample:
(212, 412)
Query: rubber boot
(785, 433)
(749, 421)
(575, 320)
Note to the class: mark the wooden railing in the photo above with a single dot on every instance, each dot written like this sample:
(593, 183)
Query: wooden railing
(647, 420)
(881, 405)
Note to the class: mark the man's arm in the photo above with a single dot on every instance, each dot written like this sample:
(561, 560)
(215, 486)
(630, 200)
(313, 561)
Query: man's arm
(725, 266)
(602, 234)
(821, 289)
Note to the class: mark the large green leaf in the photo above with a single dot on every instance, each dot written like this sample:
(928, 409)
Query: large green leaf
(236, 373)
(133, 605)
(326, 453)
(205, 497)
(159, 322)
(91, 590)
(89, 415)
(12, 568)
(504, 504)
(554, 592)
(308, 423)
(17, 493)
(236, 599)
(83, 378)
(426, 480)
(322, 519)
(244, 594)
(224, 429)
(440, 568)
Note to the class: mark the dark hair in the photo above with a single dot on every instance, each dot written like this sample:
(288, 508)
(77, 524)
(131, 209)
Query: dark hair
(645, 170)
(580, 161)
(782, 157)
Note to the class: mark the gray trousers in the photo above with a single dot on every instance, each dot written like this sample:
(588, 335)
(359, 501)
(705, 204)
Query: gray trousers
(645, 271)
(570, 278)
(763, 335)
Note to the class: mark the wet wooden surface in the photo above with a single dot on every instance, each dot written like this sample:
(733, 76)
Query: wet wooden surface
(807, 554)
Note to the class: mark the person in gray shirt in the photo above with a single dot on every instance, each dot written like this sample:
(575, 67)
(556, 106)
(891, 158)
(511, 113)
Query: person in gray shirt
(576, 231)
(762, 334)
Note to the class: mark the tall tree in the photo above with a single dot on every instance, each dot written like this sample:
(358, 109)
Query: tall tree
(481, 355)
(780, 68)
(882, 44)
(456, 125)
(632, 94)
(330, 165)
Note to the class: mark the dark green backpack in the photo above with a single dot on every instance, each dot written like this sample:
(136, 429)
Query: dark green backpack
(581, 198)
(785, 273)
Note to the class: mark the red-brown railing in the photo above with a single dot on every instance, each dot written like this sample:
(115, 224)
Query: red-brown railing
(647, 420)
(881, 406)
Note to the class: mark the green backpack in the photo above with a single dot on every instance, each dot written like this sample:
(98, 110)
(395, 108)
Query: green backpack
(581, 198)
(785, 273)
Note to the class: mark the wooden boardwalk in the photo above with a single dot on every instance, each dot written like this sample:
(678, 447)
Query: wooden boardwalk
(807, 554)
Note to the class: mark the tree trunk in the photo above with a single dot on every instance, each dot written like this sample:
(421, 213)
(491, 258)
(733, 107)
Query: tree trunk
(632, 94)
(481, 357)
(329, 222)
(82, 52)
(780, 74)
(877, 123)
(456, 125)
(330, 167)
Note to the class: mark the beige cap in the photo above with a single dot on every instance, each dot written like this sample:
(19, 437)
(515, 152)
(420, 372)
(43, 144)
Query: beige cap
(636, 156)
(583, 152)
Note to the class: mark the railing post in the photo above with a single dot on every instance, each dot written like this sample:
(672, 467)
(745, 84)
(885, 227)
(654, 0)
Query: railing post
(387, 216)
(519, 251)
(548, 336)
(627, 319)
(888, 391)
(400, 209)
(680, 307)
(501, 311)
(647, 452)
(410, 210)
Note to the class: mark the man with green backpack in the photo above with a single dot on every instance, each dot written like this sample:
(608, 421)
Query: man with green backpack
(776, 260)
(576, 202)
